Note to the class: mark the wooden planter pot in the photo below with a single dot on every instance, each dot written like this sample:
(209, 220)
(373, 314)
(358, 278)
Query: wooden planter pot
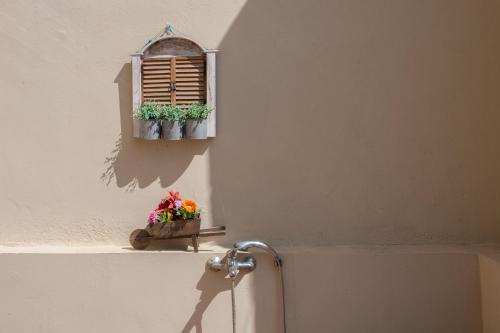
(175, 228)
(141, 238)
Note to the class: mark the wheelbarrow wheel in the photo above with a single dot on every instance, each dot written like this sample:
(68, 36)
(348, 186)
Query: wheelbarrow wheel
(140, 239)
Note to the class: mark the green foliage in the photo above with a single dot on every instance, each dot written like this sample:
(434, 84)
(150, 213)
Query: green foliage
(187, 215)
(165, 217)
(172, 113)
(148, 111)
(153, 111)
(198, 111)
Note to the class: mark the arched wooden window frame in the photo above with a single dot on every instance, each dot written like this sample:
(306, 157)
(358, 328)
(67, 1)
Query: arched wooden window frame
(177, 46)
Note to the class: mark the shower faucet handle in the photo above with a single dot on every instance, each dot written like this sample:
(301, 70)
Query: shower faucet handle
(215, 264)
(232, 266)
(231, 262)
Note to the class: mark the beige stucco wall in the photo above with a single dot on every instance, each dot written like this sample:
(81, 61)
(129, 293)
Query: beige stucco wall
(489, 263)
(360, 290)
(339, 121)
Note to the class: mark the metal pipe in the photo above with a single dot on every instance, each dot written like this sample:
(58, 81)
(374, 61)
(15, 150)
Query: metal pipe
(234, 265)
(246, 245)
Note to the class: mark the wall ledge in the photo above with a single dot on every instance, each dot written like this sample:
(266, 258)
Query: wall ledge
(216, 249)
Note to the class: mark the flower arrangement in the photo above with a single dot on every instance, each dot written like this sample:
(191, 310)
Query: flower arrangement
(174, 208)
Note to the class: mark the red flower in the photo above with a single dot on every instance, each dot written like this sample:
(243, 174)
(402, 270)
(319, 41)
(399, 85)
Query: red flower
(163, 204)
(172, 198)
(169, 202)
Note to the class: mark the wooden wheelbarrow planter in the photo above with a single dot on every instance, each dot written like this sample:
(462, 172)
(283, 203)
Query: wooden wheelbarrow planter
(141, 238)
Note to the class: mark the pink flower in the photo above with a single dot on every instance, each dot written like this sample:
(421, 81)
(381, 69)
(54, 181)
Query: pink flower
(153, 216)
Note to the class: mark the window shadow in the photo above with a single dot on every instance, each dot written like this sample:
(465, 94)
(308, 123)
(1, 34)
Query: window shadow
(137, 163)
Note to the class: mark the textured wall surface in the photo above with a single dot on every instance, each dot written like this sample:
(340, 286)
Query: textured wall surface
(489, 264)
(348, 122)
(339, 122)
(359, 291)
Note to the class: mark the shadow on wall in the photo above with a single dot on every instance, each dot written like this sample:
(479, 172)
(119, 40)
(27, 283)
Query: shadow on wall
(360, 122)
(210, 285)
(138, 163)
(355, 122)
(489, 267)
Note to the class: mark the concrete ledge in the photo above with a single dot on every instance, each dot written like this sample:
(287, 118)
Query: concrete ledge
(329, 289)
(99, 250)
(214, 248)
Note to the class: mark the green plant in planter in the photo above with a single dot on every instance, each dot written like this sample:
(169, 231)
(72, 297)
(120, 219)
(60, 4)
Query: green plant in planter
(172, 122)
(147, 123)
(172, 113)
(196, 121)
(149, 111)
(198, 111)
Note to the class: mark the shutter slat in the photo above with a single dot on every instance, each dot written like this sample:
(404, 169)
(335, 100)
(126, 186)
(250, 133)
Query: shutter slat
(198, 90)
(191, 84)
(156, 76)
(192, 100)
(188, 93)
(156, 80)
(155, 66)
(155, 72)
(158, 99)
(190, 70)
(201, 76)
(155, 89)
(161, 65)
(189, 80)
(191, 65)
(157, 85)
(157, 93)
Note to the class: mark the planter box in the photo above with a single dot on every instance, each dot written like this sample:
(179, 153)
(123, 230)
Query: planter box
(177, 228)
(141, 238)
(172, 130)
(147, 129)
(196, 129)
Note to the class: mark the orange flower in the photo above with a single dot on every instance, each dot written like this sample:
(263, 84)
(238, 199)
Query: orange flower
(189, 206)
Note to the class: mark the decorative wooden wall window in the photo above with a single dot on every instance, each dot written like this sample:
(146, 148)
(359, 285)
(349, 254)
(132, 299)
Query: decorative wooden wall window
(177, 71)
(174, 80)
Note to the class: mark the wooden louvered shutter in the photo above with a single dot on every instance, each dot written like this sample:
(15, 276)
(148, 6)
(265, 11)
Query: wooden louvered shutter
(190, 83)
(174, 80)
(156, 80)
